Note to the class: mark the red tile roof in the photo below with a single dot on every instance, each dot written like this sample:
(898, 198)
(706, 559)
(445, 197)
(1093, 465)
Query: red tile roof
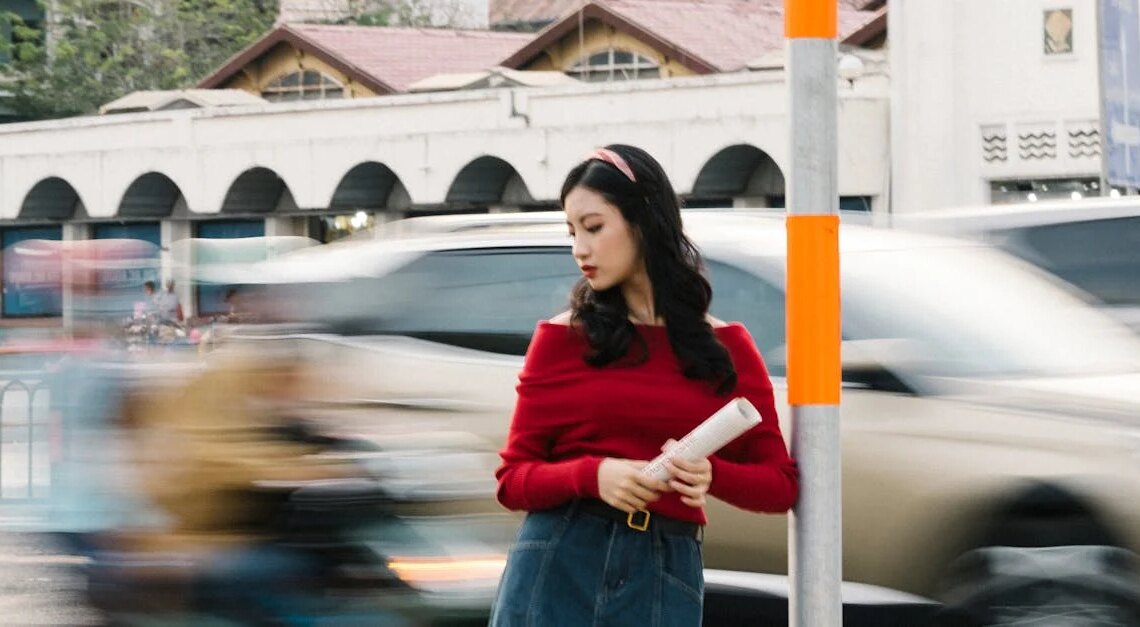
(513, 11)
(386, 59)
(705, 35)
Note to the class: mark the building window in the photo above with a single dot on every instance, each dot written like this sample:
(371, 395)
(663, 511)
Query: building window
(129, 280)
(18, 34)
(33, 271)
(303, 85)
(1058, 33)
(614, 65)
(1035, 190)
(330, 228)
(213, 298)
(855, 203)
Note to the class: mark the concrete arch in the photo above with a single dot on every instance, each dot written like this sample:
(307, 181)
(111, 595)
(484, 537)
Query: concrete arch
(488, 180)
(256, 190)
(150, 195)
(369, 185)
(52, 198)
(739, 170)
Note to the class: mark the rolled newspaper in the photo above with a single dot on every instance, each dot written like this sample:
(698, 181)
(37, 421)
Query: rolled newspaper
(727, 424)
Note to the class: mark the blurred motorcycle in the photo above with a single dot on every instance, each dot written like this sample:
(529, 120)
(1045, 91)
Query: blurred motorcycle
(148, 329)
(356, 550)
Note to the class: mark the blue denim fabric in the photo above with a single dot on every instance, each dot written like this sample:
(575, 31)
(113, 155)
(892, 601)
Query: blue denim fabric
(576, 569)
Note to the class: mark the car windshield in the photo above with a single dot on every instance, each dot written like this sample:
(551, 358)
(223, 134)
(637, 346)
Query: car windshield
(971, 312)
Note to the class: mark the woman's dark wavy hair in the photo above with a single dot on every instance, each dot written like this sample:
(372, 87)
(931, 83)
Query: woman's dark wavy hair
(681, 293)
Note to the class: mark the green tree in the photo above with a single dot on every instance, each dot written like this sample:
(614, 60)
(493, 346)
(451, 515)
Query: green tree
(93, 51)
(426, 13)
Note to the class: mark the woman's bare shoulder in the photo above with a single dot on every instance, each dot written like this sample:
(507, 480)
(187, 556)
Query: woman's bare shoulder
(563, 318)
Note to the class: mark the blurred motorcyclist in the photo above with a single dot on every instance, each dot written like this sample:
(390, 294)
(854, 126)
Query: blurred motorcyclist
(210, 454)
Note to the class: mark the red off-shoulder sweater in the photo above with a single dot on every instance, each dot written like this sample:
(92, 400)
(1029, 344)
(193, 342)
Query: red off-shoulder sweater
(570, 415)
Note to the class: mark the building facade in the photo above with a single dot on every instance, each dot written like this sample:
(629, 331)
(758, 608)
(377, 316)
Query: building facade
(975, 102)
(993, 102)
(289, 168)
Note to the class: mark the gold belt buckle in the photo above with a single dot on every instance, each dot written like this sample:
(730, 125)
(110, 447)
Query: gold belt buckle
(633, 524)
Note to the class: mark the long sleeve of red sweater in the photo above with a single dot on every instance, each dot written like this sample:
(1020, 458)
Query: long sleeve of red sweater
(755, 472)
(569, 416)
(529, 478)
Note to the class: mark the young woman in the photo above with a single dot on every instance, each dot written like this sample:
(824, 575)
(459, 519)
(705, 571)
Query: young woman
(635, 364)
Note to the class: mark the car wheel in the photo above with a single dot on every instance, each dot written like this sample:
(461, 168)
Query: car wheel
(1087, 585)
(1047, 560)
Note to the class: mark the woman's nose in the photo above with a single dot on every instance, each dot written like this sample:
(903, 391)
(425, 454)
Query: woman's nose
(578, 248)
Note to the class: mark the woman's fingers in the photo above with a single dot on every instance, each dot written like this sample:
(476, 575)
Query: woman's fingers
(650, 483)
(691, 479)
(640, 493)
(621, 484)
(699, 466)
(693, 496)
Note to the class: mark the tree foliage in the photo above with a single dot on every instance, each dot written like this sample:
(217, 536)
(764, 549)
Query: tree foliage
(430, 13)
(93, 51)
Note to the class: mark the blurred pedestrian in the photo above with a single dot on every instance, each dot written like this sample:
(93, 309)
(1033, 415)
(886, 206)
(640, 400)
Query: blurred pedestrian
(235, 307)
(636, 363)
(167, 303)
(149, 304)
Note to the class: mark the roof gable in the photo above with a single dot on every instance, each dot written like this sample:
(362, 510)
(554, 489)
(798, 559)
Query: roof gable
(166, 100)
(385, 59)
(704, 35)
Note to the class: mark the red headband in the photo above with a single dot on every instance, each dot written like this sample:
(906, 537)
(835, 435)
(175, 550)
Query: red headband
(614, 159)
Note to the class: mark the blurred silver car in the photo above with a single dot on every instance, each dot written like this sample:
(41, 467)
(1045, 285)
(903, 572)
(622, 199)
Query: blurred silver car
(990, 417)
(1093, 243)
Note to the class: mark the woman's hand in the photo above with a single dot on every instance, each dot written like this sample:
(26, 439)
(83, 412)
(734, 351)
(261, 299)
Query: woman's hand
(690, 479)
(622, 485)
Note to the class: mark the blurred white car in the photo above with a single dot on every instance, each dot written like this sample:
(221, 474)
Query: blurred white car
(990, 417)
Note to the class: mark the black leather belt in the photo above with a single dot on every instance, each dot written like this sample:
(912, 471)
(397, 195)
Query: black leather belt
(641, 520)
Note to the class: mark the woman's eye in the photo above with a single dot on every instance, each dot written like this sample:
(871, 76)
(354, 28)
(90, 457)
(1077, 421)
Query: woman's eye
(593, 229)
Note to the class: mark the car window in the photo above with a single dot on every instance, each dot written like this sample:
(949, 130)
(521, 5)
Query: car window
(935, 307)
(744, 297)
(1101, 257)
(483, 299)
(961, 311)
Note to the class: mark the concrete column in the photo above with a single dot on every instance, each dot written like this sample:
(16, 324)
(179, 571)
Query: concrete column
(923, 100)
(71, 232)
(180, 270)
(276, 226)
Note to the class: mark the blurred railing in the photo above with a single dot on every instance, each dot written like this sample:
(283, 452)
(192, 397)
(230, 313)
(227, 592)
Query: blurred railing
(27, 427)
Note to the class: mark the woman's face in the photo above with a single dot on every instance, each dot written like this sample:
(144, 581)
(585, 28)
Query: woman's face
(605, 245)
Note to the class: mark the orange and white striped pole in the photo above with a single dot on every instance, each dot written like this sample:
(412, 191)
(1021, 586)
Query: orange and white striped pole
(815, 556)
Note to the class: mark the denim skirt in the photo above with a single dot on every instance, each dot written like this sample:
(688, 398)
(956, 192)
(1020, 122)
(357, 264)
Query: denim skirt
(573, 568)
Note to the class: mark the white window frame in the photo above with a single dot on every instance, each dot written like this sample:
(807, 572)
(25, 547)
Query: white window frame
(611, 70)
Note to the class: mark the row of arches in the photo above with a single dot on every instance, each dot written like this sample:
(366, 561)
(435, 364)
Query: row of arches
(738, 170)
